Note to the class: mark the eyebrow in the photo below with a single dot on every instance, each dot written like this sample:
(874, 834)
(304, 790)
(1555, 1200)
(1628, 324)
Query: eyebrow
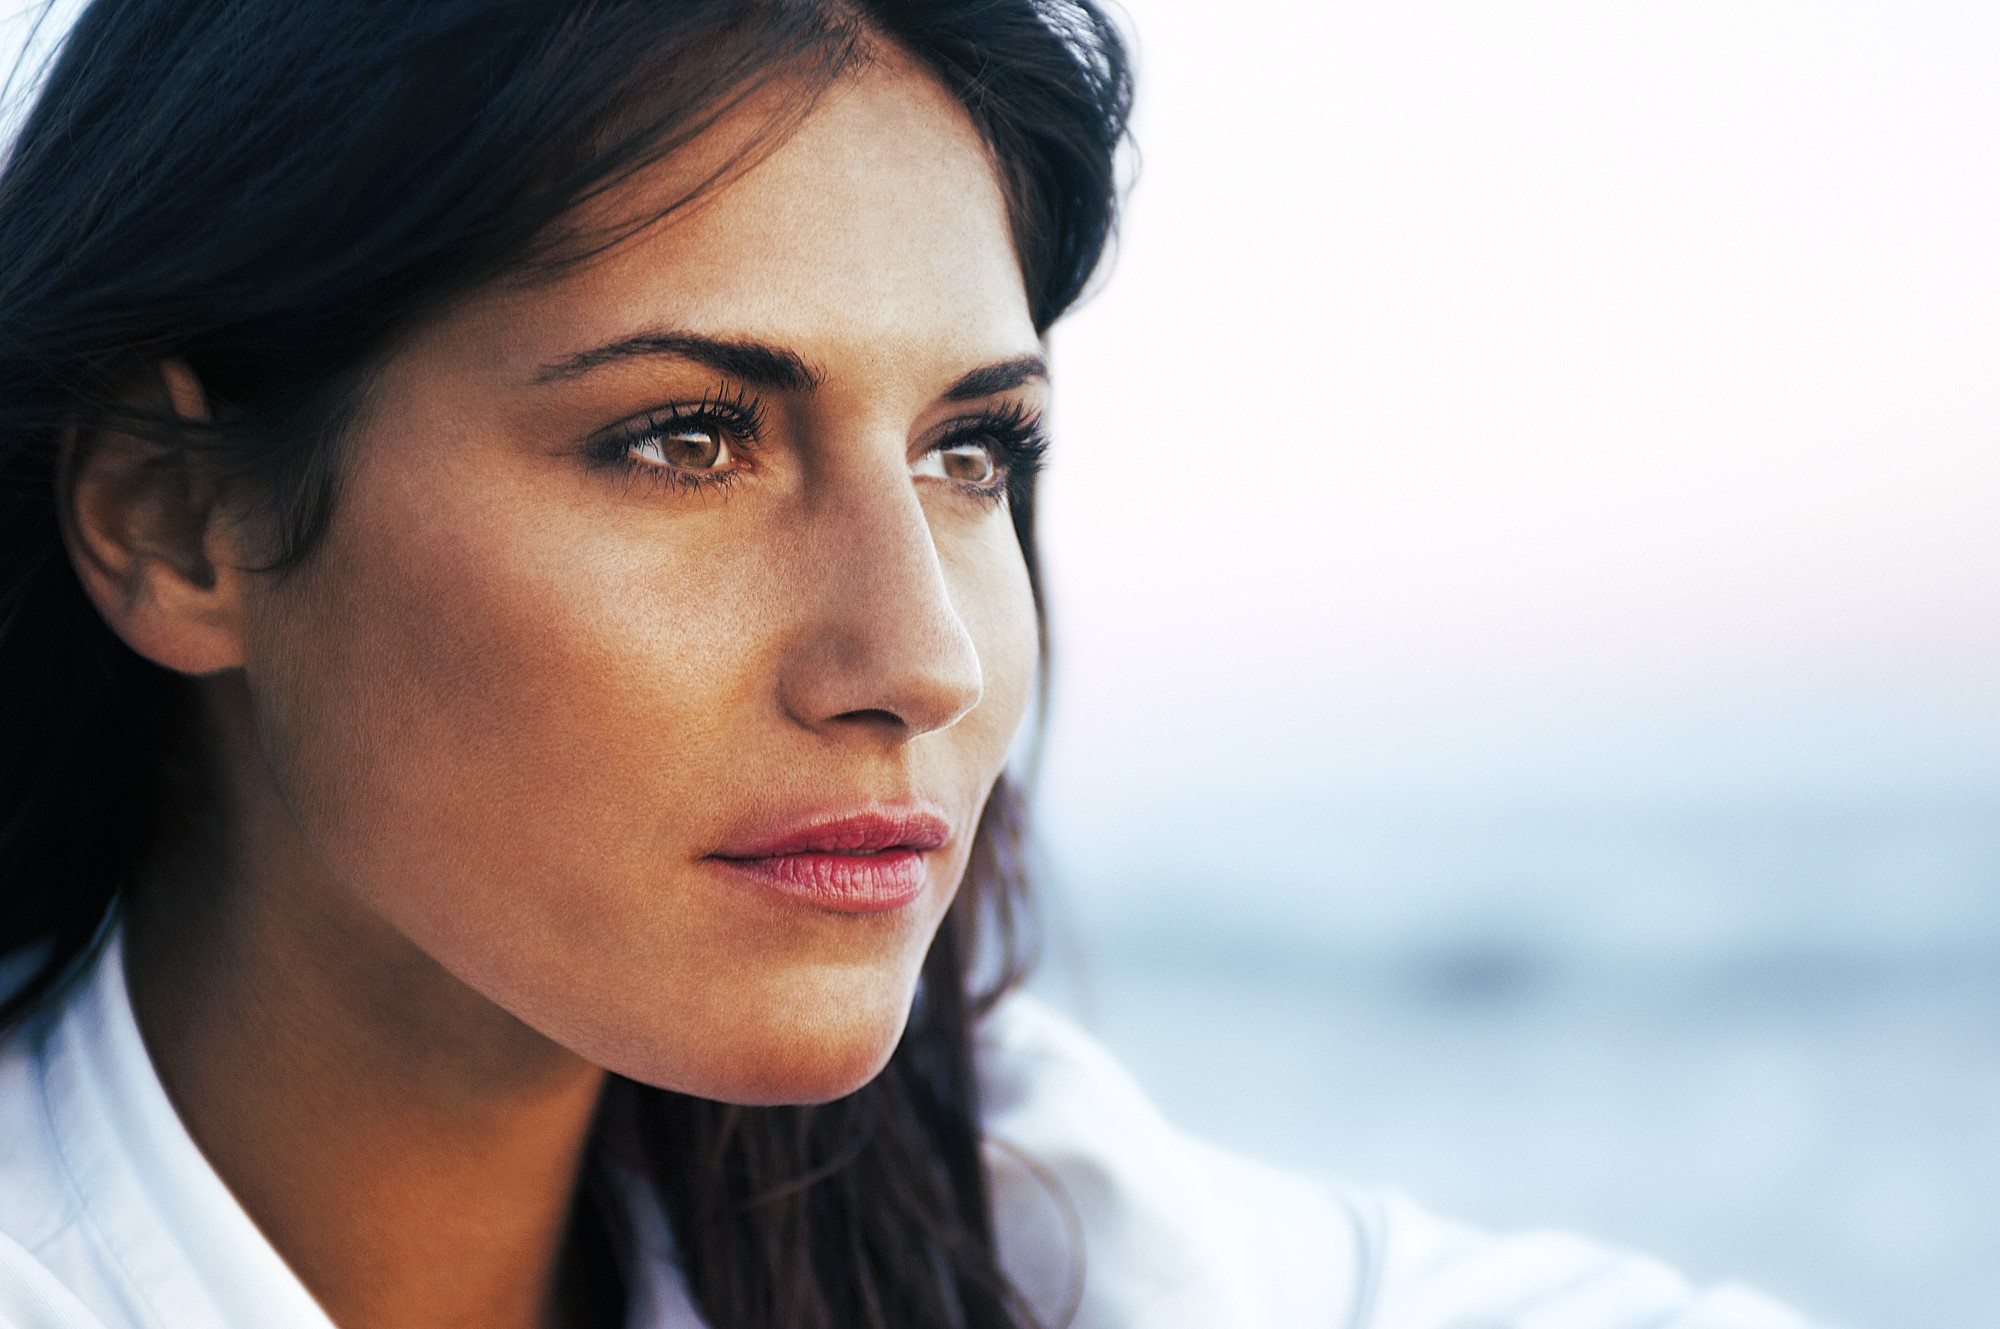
(773, 367)
(994, 378)
(754, 362)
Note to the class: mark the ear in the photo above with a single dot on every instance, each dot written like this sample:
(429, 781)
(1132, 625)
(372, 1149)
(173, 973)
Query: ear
(150, 536)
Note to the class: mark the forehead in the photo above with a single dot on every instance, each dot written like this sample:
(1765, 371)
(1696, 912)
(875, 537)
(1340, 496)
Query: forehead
(877, 228)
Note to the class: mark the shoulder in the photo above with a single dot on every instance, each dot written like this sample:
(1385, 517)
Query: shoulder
(32, 1297)
(39, 1210)
(1100, 1203)
(1108, 1217)
(1435, 1274)
(37, 1203)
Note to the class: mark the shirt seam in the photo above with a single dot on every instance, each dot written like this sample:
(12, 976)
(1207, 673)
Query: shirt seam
(83, 1215)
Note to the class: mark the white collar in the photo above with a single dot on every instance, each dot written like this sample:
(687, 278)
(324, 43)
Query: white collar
(185, 1248)
(172, 1227)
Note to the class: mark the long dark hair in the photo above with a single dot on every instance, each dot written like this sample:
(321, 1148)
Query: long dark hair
(272, 190)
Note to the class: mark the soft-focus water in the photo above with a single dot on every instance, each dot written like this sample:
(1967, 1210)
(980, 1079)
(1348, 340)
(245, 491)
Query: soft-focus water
(1817, 1115)
(1820, 1129)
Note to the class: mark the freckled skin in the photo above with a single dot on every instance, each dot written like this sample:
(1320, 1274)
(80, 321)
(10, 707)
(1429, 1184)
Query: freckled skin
(477, 750)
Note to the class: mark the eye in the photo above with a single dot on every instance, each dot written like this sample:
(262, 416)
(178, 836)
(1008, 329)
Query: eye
(686, 446)
(696, 443)
(966, 463)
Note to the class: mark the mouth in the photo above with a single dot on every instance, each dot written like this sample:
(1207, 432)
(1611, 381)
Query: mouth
(861, 863)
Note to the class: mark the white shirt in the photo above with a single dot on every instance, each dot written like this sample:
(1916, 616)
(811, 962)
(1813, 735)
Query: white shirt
(110, 1218)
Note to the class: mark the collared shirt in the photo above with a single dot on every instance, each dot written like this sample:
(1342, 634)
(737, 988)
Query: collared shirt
(111, 1218)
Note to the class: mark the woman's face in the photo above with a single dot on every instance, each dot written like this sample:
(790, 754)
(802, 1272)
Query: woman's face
(671, 628)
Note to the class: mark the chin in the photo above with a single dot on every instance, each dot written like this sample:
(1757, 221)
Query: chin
(821, 1077)
(807, 1045)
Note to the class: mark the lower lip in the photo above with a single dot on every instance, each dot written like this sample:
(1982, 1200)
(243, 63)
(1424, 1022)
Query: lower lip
(844, 883)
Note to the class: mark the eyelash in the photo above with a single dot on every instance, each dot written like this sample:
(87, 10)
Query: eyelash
(1014, 433)
(735, 415)
(1019, 443)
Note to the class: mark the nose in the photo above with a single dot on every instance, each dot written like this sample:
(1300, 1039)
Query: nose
(880, 647)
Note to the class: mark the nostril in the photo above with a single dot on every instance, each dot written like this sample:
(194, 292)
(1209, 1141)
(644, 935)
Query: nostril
(872, 718)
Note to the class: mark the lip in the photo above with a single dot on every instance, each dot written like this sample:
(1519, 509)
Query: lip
(858, 863)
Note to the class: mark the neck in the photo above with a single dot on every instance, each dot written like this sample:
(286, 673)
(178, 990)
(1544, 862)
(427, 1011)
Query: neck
(410, 1149)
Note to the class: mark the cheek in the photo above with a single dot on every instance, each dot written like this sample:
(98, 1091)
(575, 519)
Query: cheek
(511, 722)
(456, 677)
(512, 731)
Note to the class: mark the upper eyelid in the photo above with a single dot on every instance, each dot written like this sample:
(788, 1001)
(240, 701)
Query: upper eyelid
(1022, 443)
(746, 410)
(741, 409)
(1013, 413)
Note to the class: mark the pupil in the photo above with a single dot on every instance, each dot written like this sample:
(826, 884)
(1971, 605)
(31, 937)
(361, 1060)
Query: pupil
(971, 464)
(696, 449)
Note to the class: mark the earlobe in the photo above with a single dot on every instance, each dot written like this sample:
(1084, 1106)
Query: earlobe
(150, 536)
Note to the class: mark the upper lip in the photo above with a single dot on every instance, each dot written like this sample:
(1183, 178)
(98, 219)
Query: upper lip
(872, 832)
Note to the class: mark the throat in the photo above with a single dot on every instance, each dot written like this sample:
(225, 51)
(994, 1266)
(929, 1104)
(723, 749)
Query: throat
(415, 1154)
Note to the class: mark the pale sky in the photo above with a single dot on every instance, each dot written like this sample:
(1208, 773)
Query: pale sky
(1534, 404)
(1635, 346)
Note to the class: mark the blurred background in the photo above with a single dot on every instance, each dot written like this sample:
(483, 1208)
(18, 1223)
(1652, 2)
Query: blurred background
(1524, 538)
(1525, 553)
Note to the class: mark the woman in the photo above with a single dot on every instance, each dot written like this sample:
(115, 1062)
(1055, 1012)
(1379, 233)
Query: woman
(519, 589)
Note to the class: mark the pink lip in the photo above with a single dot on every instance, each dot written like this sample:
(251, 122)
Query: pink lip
(860, 864)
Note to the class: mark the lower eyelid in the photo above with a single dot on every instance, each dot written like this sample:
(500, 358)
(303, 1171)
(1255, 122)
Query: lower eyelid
(670, 477)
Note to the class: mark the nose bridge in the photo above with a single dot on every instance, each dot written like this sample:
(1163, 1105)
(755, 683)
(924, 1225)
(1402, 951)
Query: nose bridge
(882, 640)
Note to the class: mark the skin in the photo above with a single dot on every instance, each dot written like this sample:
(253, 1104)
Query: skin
(472, 759)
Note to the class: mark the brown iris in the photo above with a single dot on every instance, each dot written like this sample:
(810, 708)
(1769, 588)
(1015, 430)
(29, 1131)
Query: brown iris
(969, 463)
(686, 447)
